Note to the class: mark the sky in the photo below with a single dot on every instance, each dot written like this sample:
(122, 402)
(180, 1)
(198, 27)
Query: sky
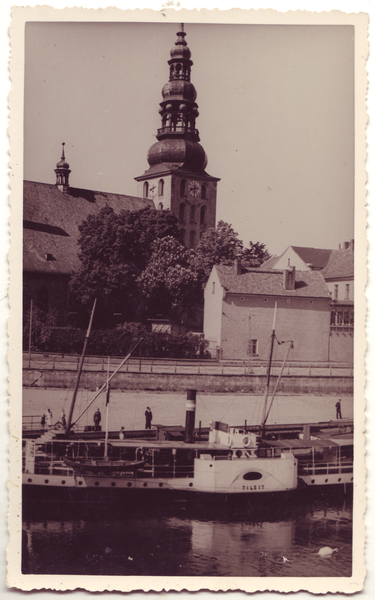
(276, 119)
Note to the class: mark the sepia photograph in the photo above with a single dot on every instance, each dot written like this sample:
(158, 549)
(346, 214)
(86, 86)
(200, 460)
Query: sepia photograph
(190, 302)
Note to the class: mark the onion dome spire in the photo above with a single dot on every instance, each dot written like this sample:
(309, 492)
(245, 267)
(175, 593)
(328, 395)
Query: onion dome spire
(178, 137)
(62, 173)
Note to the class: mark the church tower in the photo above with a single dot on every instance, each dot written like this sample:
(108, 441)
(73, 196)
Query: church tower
(62, 173)
(176, 179)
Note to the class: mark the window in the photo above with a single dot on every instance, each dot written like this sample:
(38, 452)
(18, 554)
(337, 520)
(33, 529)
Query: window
(347, 290)
(182, 212)
(192, 214)
(160, 206)
(203, 192)
(253, 347)
(183, 187)
(203, 215)
(333, 317)
(161, 187)
(183, 235)
(145, 189)
(336, 293)
(192, 239)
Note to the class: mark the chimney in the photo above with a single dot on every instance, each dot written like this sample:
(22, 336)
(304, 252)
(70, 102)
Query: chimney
(190, 415)
(237, 266)
(346, 245)
(290, 278)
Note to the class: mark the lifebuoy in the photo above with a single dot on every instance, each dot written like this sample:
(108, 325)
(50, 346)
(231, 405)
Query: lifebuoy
(246, 441)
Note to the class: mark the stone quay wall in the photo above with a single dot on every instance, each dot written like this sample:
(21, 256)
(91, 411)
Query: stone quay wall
(204, 383)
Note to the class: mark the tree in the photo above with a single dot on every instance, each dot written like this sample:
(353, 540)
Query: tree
(221, 246)
(255, 255)
(218, 246)
(169, 282)
(114, 250)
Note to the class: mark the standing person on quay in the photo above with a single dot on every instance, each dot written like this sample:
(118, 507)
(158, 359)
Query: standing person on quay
(63, 419)
(148, 415)
(49, 418)
(43, 421)
(338, 409)
(97, 419)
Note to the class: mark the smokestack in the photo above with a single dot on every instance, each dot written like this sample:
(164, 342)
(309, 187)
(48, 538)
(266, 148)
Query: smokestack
(190, 415)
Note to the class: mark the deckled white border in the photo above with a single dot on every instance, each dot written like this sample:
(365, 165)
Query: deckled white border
(317, 585)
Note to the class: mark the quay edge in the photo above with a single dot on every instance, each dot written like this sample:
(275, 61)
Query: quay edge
(177, 382)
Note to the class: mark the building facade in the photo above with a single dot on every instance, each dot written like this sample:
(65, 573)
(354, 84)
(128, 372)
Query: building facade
(337, 268)
(240, 306)
(176, 178)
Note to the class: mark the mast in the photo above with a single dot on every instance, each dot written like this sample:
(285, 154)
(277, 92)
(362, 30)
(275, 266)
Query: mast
(262, 427)
(69, 421)
(278, 380)
(104, 386)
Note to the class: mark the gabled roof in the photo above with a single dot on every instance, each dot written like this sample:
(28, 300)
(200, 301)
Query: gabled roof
(340, 265)
(317, 257)
(270, 263)
(51, 221)
(309, 284)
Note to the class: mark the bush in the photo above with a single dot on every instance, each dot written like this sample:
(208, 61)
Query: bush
(117, 342)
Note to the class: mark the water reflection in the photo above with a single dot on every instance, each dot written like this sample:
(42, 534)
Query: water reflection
(190, 538)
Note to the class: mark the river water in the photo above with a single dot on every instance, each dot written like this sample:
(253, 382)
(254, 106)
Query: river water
(161, 538)
(166, 537)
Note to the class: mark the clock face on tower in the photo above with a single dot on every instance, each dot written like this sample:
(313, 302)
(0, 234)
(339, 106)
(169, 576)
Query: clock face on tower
(152, 189)
(194, 188)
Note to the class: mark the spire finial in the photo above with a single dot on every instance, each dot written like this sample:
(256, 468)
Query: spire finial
(182, 27)
(63, 155)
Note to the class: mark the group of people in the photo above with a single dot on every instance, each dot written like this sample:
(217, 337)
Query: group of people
(48, 419)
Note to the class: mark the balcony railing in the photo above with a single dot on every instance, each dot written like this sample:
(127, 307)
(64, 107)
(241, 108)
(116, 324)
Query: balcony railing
(178, 129)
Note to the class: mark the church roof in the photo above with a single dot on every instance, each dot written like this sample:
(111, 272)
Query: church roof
(309, 284)
(51, 220)
(340, 265)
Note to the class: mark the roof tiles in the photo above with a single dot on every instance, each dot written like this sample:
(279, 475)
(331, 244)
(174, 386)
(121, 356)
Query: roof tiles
(51, 221)
(270, 283)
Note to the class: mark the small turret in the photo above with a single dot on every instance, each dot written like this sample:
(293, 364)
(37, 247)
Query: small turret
(62, 173)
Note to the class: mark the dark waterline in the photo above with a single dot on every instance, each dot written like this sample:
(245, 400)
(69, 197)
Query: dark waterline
(156, 537)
